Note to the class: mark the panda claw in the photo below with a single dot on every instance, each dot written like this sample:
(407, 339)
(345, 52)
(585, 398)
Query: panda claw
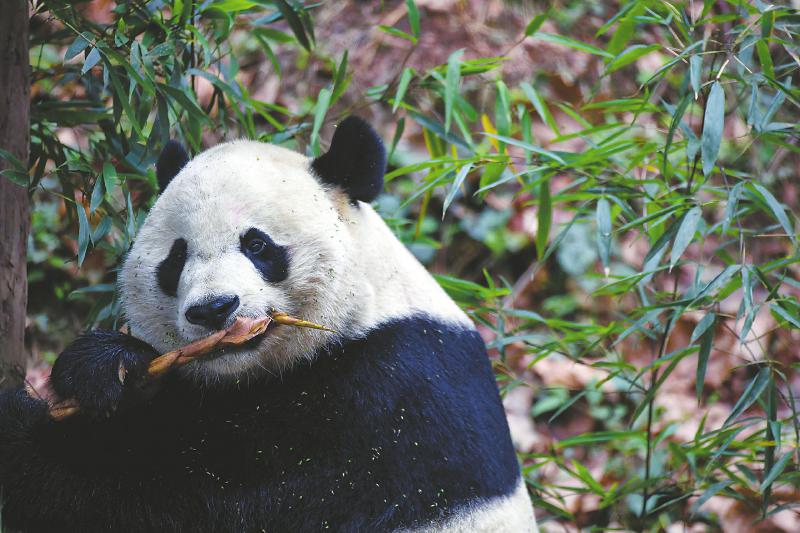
(122, 372)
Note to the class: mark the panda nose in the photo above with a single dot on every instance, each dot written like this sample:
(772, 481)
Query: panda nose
(213, 313)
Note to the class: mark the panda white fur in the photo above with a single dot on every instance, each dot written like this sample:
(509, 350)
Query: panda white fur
(394, 423)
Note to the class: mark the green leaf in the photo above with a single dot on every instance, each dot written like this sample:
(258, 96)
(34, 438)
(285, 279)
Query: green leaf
(677, 116)
(750, 395)
(529, 147)
(783, 313)
(491, 175)
(295, 23)
(18, 173)
(341, 80)
(398, 133)
(545, 217)
(685, 234)
(397, 33)
(101, 230)
(603, 216)
(540, 106)
(78, 45)
(109, 177)
(232, 5)
(572, 43)
(438, 129)
(731, 205)
(695, 65)
(97, 195)
(777, 210)
(413, 17)
(776, 471)
(629, 55)
(713, 126)
(91, 60)
(502, 109)
(452, 79)
(93, 289)
(762, 48)
(83, 233)
(320, 109)
(456, 185)
(402, 87)
(709, 493)
(536, 23)
(706, 342)
(705, 323)
(599, 436)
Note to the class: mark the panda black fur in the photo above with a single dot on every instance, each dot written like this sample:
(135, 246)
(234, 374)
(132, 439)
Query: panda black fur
(393, 424)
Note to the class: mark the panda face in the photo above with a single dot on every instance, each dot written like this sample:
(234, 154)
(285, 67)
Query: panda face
(244, 229)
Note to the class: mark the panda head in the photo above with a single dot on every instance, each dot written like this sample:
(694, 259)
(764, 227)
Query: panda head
(245, 229)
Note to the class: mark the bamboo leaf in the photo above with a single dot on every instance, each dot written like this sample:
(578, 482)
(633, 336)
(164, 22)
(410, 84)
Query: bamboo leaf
(529, 147)
(705, 332)
(83, 233)
(452, 80)
(545, 217)
(765, 59)
(749, 396)
(775, 471)
(695, 64)
(320, 109)
(783, 313)
(685, 234)
(109, 177)
(78, 45)
(91, 60)
(341, 80)
(709, 493)
(402, 87)
(456, 185)
(572, 43)
(777, 210)
(629, 55)
(713, 126)
(413, 17)
(536, 23)
(603, 216)
(705, 323)
(295, 23)
(677, 117)
(540, 106)
(98, 193)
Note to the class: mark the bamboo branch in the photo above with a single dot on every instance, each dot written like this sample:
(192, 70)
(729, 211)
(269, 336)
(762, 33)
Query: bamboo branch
(242, 330)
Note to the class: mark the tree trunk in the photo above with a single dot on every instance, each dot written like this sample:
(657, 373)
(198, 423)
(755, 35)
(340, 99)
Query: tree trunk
(14, 216)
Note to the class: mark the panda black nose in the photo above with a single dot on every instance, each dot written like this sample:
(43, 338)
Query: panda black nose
(213, 313)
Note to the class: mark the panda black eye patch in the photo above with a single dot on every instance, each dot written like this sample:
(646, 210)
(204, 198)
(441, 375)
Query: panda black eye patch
(269, 258)
(169, 270)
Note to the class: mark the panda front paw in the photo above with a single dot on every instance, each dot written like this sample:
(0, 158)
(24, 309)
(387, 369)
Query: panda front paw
(102, 370)
(19, 414)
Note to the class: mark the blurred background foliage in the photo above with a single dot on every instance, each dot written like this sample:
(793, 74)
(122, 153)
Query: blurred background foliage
(609, 188)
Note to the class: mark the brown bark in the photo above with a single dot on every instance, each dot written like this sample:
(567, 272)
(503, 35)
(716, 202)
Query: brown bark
(14, 216)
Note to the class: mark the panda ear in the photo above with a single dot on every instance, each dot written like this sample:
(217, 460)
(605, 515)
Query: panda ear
(355, 162)
(172, 159)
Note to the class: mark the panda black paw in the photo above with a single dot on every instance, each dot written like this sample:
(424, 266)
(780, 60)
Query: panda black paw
(102, 370)
(18, 413)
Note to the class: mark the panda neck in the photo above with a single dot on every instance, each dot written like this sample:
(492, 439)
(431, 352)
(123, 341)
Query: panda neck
(389, 280)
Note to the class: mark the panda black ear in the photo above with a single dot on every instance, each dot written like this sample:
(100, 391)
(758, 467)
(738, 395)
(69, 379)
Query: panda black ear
(356, 160)
(172, 159)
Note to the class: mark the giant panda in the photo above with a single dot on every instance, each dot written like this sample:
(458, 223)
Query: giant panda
(392, 423)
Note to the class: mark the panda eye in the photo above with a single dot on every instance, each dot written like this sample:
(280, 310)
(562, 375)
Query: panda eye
(256, 246)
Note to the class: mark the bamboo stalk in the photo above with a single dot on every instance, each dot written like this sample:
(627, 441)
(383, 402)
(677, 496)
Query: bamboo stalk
(242, 330)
